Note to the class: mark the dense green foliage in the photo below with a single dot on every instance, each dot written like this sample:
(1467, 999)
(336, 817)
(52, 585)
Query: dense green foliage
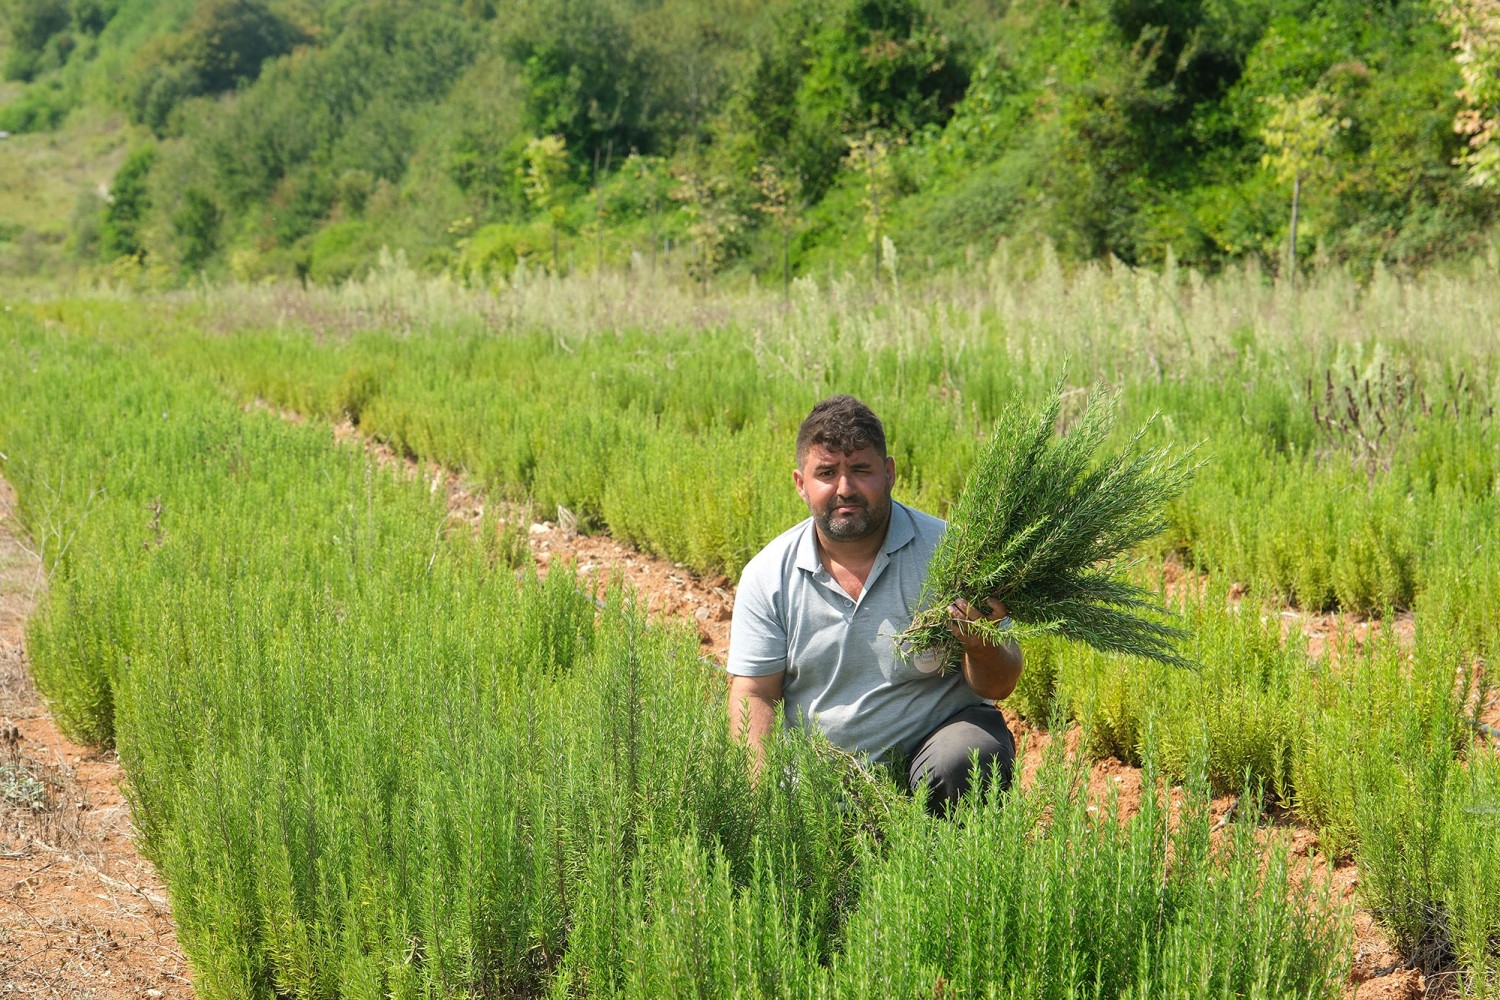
(222, 45)
(299, 138)
(1042, 524)
(658, 408)
(368, 760)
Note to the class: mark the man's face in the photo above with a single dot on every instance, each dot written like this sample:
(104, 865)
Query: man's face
(849, 494)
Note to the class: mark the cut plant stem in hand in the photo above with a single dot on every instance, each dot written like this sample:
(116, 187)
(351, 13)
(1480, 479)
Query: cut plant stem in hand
(1045, 523)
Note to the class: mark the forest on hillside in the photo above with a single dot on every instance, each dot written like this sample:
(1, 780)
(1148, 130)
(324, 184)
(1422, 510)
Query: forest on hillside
(303, 138)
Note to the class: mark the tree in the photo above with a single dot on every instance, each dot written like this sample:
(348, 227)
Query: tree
(484, 147)
(870, 157)
(1299, 135)
(781, 202)
(222, 45)
(196, 224)
(33, 23)
(545, 167)
(90, 16)
(586, 79)
(1478, 46)
(127, 205)
(712, 219)
(842, 67)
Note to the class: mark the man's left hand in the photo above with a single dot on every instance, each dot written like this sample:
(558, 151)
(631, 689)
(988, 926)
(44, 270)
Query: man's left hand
(990, 669)
(961, 612)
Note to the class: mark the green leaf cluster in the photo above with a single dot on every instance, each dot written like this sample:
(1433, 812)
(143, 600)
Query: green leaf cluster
(1042, 525)
(223, 45)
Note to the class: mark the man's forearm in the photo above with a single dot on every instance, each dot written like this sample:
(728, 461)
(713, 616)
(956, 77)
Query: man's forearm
(752, 712)
(993, 671)
(750, 719)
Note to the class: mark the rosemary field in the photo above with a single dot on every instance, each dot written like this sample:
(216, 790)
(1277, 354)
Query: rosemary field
(371, 756)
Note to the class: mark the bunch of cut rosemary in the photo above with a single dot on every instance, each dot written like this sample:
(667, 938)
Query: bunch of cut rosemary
(1044, 524)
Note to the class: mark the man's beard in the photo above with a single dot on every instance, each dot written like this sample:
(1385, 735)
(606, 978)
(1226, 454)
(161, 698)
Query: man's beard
(861, 524)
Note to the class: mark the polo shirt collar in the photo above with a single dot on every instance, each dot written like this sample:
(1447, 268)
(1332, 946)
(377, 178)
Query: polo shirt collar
(898, 533)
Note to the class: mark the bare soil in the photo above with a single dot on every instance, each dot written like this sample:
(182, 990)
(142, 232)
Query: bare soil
(82, 915)
(86, 917)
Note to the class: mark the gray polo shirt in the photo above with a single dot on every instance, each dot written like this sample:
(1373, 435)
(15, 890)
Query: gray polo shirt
(843, 673)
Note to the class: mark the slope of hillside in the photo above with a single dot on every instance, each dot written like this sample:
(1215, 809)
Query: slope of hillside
(297, 138)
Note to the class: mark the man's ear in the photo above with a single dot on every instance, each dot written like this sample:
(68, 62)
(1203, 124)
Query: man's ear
(797, 479)
(890, 470)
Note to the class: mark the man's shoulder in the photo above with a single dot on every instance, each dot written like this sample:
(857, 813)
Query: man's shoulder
(922, 522)
(926, 529)
(774, 562)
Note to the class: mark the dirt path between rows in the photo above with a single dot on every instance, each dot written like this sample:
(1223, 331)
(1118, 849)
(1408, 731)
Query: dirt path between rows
(82, 915)
(85, 916)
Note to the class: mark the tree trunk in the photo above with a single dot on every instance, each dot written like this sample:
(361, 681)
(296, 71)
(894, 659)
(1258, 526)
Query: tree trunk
(786, 268)
(1296, 203)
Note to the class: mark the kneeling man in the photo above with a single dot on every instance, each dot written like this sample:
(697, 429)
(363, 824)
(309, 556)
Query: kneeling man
(817, 608)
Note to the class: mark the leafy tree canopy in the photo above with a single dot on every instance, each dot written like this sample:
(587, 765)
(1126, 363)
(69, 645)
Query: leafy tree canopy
(1131, 128)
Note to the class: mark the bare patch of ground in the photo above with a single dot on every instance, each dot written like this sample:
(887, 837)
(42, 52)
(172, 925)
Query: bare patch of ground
(82, 914)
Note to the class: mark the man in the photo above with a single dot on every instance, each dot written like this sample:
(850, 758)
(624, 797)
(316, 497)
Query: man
(817, 608)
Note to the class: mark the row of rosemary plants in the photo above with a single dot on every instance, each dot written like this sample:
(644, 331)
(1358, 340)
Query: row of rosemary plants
(1353, 464)
(1350, 429)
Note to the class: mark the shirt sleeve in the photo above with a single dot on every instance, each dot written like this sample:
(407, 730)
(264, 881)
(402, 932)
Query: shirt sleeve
(757, 632)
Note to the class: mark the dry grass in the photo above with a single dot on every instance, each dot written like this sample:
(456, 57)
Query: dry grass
(46, 175)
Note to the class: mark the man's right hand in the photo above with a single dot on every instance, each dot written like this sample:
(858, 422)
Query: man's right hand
(752, 713)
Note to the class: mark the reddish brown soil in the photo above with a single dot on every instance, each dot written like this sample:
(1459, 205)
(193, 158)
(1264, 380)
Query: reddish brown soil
(1489, 714)
(84, 914)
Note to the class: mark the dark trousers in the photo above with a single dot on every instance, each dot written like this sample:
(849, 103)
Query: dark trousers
(945, 761)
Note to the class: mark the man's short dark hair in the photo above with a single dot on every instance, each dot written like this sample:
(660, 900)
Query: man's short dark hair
(842, 424)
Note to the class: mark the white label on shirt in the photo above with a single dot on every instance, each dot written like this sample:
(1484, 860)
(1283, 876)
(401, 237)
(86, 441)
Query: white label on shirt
(928, 661)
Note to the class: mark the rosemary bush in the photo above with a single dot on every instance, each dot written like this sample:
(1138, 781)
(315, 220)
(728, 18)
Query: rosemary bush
(1043, 525)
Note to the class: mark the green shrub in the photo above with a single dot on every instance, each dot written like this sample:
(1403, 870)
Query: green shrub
(495, 250)
(35, 25)
(340, 250)
(222, 45)
(129, 202)
(41, 108)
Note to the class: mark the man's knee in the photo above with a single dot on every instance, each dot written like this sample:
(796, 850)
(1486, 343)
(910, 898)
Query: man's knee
(972, 746)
